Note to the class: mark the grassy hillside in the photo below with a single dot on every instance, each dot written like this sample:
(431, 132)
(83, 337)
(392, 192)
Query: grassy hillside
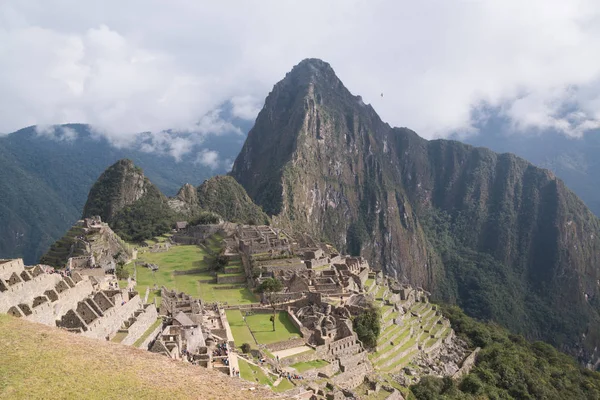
(39, 362)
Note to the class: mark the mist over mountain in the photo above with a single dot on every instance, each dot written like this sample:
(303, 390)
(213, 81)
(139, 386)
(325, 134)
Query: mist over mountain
(47, 173)
(576, 160)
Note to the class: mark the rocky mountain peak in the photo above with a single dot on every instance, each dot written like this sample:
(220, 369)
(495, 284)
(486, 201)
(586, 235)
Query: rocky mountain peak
(187, 194)
(438, 214)
(120, 185)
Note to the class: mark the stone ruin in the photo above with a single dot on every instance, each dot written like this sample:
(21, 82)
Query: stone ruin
(329, 330)
(76, 302)
(194, 333)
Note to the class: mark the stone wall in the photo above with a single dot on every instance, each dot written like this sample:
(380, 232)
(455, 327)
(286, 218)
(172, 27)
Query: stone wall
(467, 365)
(315, 263)
(352, 378)
(112, 320)
(284, 267)
(304, 332)
(8, 267)
(286, 344)
(141, 325)
(230, 279)
(52, 294)
(151, 337)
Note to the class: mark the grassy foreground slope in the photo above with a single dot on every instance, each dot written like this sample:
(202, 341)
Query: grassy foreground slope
(39, 362)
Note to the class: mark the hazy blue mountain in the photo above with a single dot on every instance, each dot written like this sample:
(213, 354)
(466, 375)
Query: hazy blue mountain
(44, 181)
(574, 160)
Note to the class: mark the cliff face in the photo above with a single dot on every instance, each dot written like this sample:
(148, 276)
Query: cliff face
(319, 160)
(119, 186)
(504, 239)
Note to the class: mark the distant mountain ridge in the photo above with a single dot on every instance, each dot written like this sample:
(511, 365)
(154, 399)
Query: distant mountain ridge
(504, 239)
(136, 210)
(45, 180)
(574, 160)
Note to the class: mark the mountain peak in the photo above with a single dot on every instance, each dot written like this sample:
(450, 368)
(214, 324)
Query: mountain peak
(310, 71)
(119, 186)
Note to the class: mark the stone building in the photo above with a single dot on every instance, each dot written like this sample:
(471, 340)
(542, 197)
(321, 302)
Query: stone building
(72, 301)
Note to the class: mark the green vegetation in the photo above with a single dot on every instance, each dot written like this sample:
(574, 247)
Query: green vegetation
(206, 218)
(119, 337)
(306, 365)
(255, 374)
(367, 326)
(134, 221)
(151, 329)
(239, 329)
(148, 217)
(510, 367)
(269, 288)
(185, 269)
(261, 327)
(224, 196)
(121, 272)
(488, 289)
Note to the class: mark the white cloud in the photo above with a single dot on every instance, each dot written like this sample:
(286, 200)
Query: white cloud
(246, 107)
(208, 158)
(58, 133)
(149, 65)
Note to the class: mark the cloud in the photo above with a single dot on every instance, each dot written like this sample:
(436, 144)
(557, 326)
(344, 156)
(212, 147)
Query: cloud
(58, 133)
(208, 158)
(149, 65)
(246, 107)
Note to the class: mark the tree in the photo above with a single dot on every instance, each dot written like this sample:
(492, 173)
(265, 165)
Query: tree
(121, 272)
(269, 287)
(246, 348)
(219, 261)
(367, 326)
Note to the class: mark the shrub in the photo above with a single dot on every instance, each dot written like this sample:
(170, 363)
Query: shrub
(246, 348)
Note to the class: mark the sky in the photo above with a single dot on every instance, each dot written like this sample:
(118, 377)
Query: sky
(133, 66)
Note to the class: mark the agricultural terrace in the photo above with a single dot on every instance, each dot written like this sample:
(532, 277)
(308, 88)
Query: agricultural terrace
(185, 269)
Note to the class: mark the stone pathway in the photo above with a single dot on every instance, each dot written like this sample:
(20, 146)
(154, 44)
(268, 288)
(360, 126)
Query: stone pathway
(233, 362)
(291, 352)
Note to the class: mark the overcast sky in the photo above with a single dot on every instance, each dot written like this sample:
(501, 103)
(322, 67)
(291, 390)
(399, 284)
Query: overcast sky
(146, 65)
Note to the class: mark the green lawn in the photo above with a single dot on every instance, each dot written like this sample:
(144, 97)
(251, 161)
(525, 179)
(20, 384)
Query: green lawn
(148, 332)
(306, 365)
(119, 337)
(252, 373)
(186, 258)
(239, 329)
(284, 385)
(262, 328)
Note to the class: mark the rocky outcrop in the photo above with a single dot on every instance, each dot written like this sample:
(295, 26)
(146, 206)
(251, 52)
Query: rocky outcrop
(120, 185)
(186, 200)
(505, 240)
